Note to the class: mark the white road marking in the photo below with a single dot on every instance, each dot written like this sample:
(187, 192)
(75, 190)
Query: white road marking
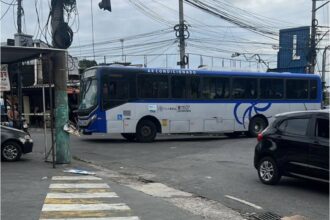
(160, 190)
(79, 185)
(108, 218)
(81, 195)
(75, 178)
(244, 202)
(84, 207)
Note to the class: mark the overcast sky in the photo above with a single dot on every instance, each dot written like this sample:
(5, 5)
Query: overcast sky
(126, 20)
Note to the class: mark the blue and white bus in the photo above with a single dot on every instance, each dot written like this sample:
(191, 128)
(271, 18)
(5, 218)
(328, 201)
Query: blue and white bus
(141, 102)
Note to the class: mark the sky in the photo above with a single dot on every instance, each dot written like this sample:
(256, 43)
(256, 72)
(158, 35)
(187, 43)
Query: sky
(210, 36)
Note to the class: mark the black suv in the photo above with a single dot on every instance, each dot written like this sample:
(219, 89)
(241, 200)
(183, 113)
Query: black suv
(296, 144)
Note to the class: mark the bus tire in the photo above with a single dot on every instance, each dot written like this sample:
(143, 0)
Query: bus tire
(129, 136)
(256, 126)
(146, 131)
(233, 134)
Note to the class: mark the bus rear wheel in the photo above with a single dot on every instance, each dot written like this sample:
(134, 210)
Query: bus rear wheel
(256, 126)
(146, 131)
(233, 134)
(129, 136)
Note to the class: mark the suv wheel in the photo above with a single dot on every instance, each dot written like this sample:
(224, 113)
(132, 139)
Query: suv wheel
(146, 131)
(256, 126)
(268, 171)
(11, 151)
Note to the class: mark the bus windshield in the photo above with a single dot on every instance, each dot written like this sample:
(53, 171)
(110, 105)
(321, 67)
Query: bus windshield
(89, 93)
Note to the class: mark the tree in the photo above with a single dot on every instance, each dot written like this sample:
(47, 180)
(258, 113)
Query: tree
(84, 64)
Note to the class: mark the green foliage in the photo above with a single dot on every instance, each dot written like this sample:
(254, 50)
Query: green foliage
(84, 64)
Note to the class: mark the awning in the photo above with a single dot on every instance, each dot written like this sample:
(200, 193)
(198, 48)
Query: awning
(13, 54)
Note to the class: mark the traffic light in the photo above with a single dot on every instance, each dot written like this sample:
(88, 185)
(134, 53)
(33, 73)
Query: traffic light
(105, 5)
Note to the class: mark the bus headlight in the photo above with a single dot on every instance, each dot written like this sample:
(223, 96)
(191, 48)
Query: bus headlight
(93, 118)
(87, 122)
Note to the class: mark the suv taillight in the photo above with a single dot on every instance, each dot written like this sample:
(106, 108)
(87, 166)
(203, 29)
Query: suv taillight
(260, 137)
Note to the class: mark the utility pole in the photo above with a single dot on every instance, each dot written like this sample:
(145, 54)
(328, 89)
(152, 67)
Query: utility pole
(19, 16)
(312, 55)
(63, 154)
(324, 60)
(92, 16)
(19, 74)
(181, 36)
(122, 49)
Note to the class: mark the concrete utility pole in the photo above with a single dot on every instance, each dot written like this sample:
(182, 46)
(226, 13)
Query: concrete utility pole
(312, 56)
(19, 16)
(181, 35)
(63, 153)
(92, 18)
(19, 74)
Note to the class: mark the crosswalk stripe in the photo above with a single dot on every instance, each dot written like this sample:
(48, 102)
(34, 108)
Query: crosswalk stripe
(79, 185)
(73, 201)
(80, 190)
(75, 178)
(83, 198)
(109, 218)
(85, 214)
(84, 207)
(81, 195)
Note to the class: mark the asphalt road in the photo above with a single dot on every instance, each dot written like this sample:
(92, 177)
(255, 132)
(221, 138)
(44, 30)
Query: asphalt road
(210, 167)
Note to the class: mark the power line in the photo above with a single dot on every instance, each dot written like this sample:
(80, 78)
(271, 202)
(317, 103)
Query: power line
(11, 4)
(225, 15)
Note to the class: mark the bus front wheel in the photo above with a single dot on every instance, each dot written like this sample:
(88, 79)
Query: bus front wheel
(129, 136)
(146, 131)
(256, 126)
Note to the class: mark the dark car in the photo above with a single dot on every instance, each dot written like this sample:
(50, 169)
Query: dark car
(296, 144)
(14, 143)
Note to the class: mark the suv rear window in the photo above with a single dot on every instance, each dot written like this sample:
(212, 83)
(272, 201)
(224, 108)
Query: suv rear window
(297, 126)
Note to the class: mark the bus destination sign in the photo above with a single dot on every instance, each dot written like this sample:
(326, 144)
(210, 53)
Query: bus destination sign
(172, 71)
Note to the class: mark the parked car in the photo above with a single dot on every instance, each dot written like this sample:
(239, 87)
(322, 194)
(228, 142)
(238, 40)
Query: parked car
(296, 144)
(14, 143)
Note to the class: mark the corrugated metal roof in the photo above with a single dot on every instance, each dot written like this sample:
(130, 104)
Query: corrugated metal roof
(13, 54)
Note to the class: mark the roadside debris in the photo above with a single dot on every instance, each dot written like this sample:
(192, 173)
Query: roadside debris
(81, 172)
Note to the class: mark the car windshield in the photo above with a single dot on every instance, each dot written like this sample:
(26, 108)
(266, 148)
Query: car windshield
(89, 93)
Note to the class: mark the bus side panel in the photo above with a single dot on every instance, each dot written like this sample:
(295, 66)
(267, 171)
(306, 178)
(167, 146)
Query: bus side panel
(114, 121)
(304, 106)
(244, 112)
(122, 119)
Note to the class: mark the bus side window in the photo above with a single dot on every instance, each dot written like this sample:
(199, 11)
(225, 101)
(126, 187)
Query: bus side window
(313, 89)
(194, 89)
(222, 88)
(245, 88)
(215, 88)
(271, 88)
(153, 86)
(118, 89)
(208, 87)
(179, 87)
(297, 89)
